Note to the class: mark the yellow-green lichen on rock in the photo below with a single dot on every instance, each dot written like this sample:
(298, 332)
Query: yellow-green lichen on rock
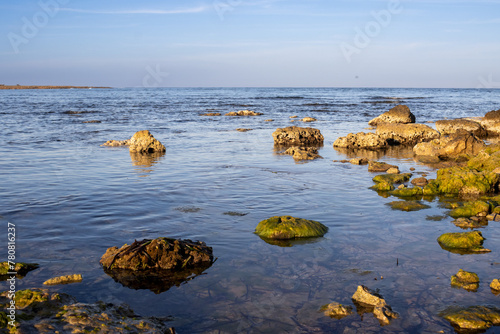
(466, 181)
(392, 178)
(463, 242)
(20, 268)
(408, 205)
(383, 186)
(75, 278)
(408, 192)
(465, 280)
(470, 209)
(288, 227)
(495, 284)
(472, 317)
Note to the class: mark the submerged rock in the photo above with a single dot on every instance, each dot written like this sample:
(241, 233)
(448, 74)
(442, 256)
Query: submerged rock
(297, 136)
(408, 205)
(463, 242)
(448, 127)
(287, 227)
(406, 134)
(303, 153)
(211, 114)
(76, 278)
(470, 209)
(141, 142)
(115, 143)
(336, 310)
(373, 302)
(243, 130)
(244, 113)
(466, 223)
(465, 280)
(398, 114)
(392, 178)
(472, 317)
(20, 269)
(376, 166)
(361, 140)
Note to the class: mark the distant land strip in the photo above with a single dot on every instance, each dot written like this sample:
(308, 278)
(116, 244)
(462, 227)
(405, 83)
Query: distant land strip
(47, 87)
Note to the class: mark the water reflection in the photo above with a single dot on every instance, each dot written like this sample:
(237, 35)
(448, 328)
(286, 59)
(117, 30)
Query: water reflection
(291, 242)
(397, 152)
(145, 162)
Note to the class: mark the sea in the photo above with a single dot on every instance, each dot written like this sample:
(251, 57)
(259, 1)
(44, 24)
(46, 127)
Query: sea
(71, 198)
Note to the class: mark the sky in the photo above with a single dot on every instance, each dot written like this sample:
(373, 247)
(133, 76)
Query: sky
(251, 43)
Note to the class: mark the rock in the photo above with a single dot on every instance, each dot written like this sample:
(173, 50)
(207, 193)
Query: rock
(465, 181)
(294, 116)
(76, 278)
(359, 161)
(398, 114)
(466, 223)
(419, 182)
(115, 143)
(376, 166)
(493, 115)
(92, 121)
(309, 119)
(401, 186)
(287, 227)
(472, 317)
(393, 170)
(269, 120)
(465, 280)
(303, 153)
(243, 113)
(371, 300)
(470, 209)
(20, 268)
(211, 114)
(493, 217)
(406, 134)
(156, 254)
(448, 127)
(243, 130)
(42, 311)
(297, 136)
(486, 160)
(361, 140)
(143, 142)
(495, 284)
(463, 242)
(383, 186)
(454, 146)
(392, 178)
(491, 122)
(336, 310)
(408, 192)
(408, 205)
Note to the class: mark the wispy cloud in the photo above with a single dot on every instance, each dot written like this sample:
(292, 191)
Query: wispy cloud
(474, 21)
(192, 10)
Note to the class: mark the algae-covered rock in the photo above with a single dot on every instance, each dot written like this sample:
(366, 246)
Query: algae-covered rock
(383, 186)
(20, 269)
(407, 192)
(466, 223)
(466, 181)
(465, 280)
(486, 160)
(432, 188)
(287, 227)
(470, 209)
(495, 284)
(75, 278)
(463, 242)
(392, 178)
(472, 317)
(370, 301)
(336, 310)
(377, 166)
(408, 205)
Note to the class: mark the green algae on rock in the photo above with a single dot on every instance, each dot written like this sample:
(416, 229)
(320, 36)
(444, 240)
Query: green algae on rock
(463, 242)
(466, 181)
(407, 192)
(466, 223)
(465, 280)
(472, 317)
(408, 205)
(75, 278)
(336, 310)
(287, 227)
(383, 186)
(470, 209)
(392, 178)
(20, 268)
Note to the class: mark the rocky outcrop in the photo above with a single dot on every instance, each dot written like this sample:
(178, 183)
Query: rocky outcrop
(472, 318)
(303, 153)
(406, 134)
(459, 144)
(465, 280)
(361, 140)
(491, 122)
(141, 142)
(463, 242)
(449, 127)
(370, 301)
(398, 114)
(287, 227)
(297, 136)
(243, 113)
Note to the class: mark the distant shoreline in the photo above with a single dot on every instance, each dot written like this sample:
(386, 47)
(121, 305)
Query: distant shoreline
(49, 87)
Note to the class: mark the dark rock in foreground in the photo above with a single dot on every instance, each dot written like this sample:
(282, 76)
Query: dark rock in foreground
(398, 114)
(297, 136)
(287, 227)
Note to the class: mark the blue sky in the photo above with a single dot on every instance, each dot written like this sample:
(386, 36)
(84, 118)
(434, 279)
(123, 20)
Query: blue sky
(246, 43)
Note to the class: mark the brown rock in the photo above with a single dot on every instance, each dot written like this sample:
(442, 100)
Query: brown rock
(144, 142)
(243, 113)
(297, 136)
(368, 299)
(491, 122)
(309, 119)
(361, 140)
(406, 133)
(375, 166)
(393, 170)
(115, 143)
(419, 182)
(448, 127)
(269, 120)
(453, 146)
(359, 161)
(398, 114)
(303, 153)
(211, 114)
(294, 116)
(495, 285)
(243, 130)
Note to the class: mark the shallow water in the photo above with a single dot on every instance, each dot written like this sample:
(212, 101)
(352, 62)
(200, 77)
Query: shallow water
(72, 199)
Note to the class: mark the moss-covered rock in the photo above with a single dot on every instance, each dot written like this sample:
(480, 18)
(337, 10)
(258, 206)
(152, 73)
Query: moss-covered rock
(383, 186)
(466, 223)
(68, 279)
(336, 310)
(470, 209)
(392, 178)
(432, 188)
(487, 160)
(466, 181)
(287, 227)
(377, 166)
(463, 242)
(408, 192)
(465, 280)
(495, 285)
(408, 205)
(25, 298)
(20, 268)
(473, 317)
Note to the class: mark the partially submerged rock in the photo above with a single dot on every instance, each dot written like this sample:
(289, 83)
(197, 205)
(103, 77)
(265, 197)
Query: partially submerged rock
(408, 205)
(211, 114)
(383, 186)
(359, 161)
(495, 284)
(463, 242)
(472, 317)
(20, 269)
(407, 192)
(470, 209)
(294, 135)
(466, 223)
(392, 178)
(398, 114)
(461, 144)
(373, 302)
(243, 130)
(75, 278)
(376, 166)
(141, 142)
(309, 119)
(361, 140)
(336, 310)
(465, 181)
(244, 113)
(287, 227)
(406, 134)
(448, 127)
(303, 153)
(465, 280)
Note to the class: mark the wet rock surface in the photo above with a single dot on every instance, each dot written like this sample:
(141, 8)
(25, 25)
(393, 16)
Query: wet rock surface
(369, 301)
(463, 242)
(455, 146)
(406, 134)
(392, 178)
(287, 227)
(297, 136)
(465, 280)
(472, 317)
(336, 310)
(21, 269)
(376, 166)
(448, 127)
(398, 114)
(142, 142)
(408, 205)
(75, 278)
(303, 153)
(361, 140)
(243, 113)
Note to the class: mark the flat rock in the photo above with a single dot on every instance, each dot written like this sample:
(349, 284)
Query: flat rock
(361, 140)
(398, 114)
(419, 181)
(243, 113)
(406, 134)
(472, 317)
(297, 136)
(408, 205)
(359, 161)
(68, 279)
(448, 127)
(376, 166)
(287, 227)
(463, 242)
(20, 269)
(309, 119)
(211, 114)
(392, 178)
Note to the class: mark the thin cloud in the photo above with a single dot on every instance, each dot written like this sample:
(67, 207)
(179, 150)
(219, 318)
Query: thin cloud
(139, 11)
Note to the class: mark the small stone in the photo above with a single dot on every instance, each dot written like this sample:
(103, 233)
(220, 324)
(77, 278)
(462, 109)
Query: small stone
(393, 170)
(294, 116)
(465, 280)
(401, 186)
(243, 130)
(211, 114)
(243, 113)
(309, 119)
(336, 310)
(269, 120)
(419, 181)
(495, 284)
(359, 161)
(412, 169)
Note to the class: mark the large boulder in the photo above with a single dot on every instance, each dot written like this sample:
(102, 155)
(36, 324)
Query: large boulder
(448, 127)
(406, 134)
(461, 143)
(297, 136)
(361, 140)
(141, 142)
(398, 114)
(287, 227)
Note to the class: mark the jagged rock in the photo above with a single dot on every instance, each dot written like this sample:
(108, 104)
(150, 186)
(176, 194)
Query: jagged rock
(406, 134)
(491, 122)
(463, 242)
(297, 136)
(465, 280)
(244, 113)
(336, 310)
(472, 317)
(398, 114)
(361, 140)
(376, 166)
(287, 227)
(458, 144)
(448, 127)
(211, 114)
(371, 300)
(76, 278)
(309, 119)
(303, 153)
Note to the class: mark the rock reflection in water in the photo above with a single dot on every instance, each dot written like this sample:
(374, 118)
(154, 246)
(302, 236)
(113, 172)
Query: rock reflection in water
(292, 242)
(397, 152)
(145, 162)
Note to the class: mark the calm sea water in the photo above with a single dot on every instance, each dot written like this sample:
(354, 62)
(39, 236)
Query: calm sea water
(71, 199)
